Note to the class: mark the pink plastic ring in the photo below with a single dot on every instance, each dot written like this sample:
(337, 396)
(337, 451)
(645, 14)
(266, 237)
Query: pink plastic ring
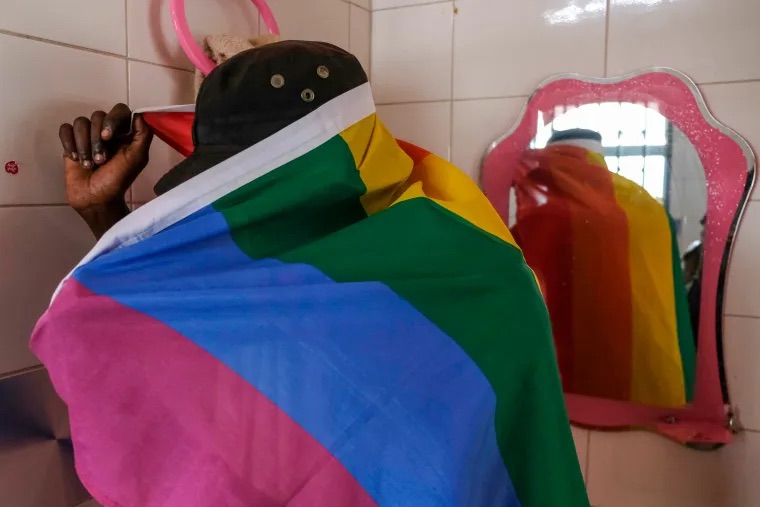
(191, 47)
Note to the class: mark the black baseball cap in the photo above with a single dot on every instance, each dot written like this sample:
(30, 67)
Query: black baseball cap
(258, 93)
(564, 135)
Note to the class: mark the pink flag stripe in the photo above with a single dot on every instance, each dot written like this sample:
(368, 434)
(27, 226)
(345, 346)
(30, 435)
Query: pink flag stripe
(178, 428)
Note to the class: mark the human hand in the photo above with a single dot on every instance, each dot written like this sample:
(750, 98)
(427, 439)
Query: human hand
(102, 159)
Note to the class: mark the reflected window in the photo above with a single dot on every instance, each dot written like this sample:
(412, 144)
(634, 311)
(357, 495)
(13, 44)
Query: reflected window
(637, 140)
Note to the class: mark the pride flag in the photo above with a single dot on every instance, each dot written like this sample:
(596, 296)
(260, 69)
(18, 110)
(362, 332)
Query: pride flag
(606, 255)
(327, 318)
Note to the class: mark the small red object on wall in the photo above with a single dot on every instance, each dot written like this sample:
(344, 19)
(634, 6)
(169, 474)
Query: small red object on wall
(11, 167)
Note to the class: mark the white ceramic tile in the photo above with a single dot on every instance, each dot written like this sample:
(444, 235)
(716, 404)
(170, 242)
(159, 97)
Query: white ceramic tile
(477, 123)
(741, 348)
(323, 20)
(427, 124)
(736, 106)
(43, 86)
(581, 437)
(36, 472)
(411, 53)
(151, 85)
(392, 4)
(364, 4)
(743, 284)
(152, 38)
(741, 465)
(39, 247)
(634, 469)
(94, 24)
(709, 40)
(504, 50)
(361, 33)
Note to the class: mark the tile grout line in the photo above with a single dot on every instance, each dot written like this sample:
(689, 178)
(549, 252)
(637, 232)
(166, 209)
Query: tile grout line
(162, 65)
(606, 36)
(413, 5)
(59, 43)
(87, 50)
(359, 6)
(729, 82)
(587, 465)
(526, 96)
(130, 192)
(350, 34)
(410, 102)
(33, 205)
(741, 316)
(451, 82)
(371, 32)
(126, 28)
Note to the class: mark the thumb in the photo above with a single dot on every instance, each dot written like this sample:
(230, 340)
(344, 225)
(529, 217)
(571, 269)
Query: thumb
(143, 136)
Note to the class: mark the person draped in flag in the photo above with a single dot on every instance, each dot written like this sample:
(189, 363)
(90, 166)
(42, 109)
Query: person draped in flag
(310, 313)
(606, 254)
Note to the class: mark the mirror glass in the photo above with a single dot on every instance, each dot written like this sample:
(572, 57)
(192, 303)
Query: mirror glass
(609, 208)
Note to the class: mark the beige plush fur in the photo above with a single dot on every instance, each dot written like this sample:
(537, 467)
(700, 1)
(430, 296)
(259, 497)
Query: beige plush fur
(221, 48)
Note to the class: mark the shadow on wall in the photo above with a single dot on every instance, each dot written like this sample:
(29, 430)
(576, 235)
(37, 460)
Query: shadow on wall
(36, 454)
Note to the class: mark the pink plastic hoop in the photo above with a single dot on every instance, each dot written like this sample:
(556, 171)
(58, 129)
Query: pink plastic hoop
(191, 47)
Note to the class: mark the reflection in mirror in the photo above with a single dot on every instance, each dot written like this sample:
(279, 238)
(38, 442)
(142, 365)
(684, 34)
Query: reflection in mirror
(603, 183)
(609, 210)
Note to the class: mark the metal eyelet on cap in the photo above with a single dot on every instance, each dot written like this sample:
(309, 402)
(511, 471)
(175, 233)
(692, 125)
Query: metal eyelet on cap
(323, 72)
(277, 81)
(308, 95)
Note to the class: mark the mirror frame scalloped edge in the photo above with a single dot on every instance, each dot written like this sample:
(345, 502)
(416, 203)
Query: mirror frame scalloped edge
(706, 423)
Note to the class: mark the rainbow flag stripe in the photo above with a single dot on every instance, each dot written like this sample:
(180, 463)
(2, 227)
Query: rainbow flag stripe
(328, 318)
(607, 257)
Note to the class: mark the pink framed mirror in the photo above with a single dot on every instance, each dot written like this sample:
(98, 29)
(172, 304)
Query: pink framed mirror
(691, 176)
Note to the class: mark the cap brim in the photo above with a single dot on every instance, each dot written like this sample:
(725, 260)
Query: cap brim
(199, 161)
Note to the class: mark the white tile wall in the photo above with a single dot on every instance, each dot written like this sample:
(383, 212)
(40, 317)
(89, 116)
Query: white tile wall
(93, 24)
(325, 20)
(708, 39)
(427, 124)
(392, 4)
(476, 124)
(39, 246)
(581, 438)
(360, 26)
(743, 376)
(44, 85)
(151, 37)
(508, 57)
(741, 468)
(411, 53)
(743, 283)
(501, 50)
(364, 4)
(637, 469)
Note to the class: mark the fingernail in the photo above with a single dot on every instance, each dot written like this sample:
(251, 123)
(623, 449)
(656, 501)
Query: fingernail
(99, 158)
(87, 164)
(73, 156)
(105, 133)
